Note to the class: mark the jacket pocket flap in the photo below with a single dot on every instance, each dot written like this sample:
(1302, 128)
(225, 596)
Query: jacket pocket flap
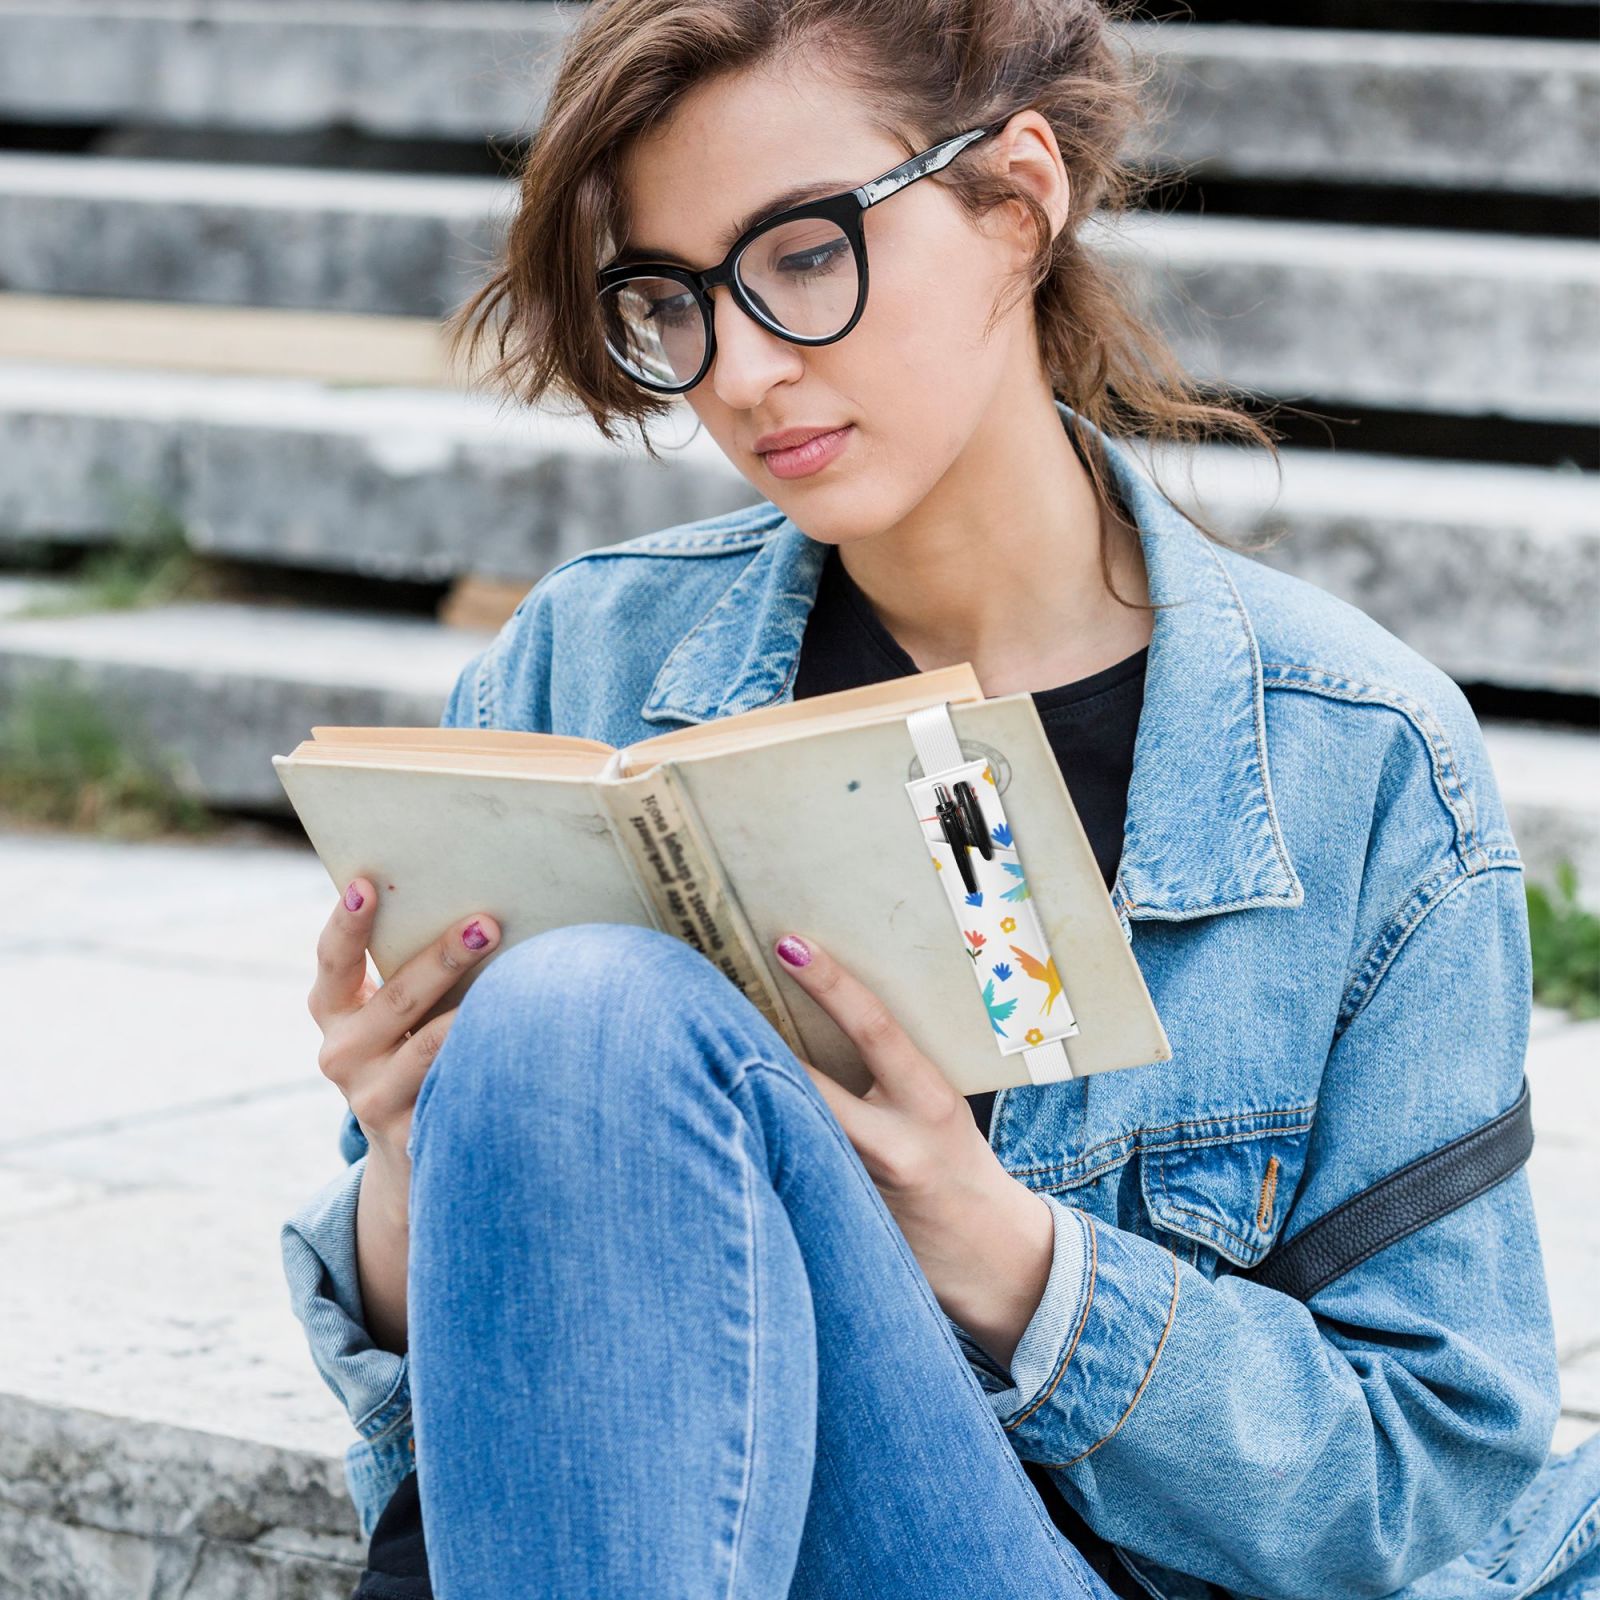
(1230, 1194)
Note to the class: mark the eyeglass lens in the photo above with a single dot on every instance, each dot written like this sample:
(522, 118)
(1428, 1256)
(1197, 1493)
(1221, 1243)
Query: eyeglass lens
(801, 275)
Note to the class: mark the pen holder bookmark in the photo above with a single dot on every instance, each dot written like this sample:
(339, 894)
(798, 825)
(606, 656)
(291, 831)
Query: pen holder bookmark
(988, 896)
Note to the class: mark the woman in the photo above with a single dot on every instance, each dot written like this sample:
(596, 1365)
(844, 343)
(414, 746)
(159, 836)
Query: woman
(660, 1310)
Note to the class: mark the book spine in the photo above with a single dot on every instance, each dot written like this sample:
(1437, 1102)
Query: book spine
(656, 823)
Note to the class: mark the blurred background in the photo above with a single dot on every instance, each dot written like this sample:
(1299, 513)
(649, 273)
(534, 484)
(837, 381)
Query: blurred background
(242, 493)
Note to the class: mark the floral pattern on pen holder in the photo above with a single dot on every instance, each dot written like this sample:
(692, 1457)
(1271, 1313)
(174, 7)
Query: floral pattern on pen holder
(999, 923)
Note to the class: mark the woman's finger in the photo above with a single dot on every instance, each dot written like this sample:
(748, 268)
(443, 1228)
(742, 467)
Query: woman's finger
(411, 992)
(342, 955)
(899, 1069)
(390, 1099)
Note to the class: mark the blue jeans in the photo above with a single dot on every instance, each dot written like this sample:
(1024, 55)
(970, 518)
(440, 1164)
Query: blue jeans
(666, 1338)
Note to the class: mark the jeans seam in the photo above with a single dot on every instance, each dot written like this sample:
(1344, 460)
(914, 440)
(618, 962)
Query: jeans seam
(753, 1280)
(831, 1122)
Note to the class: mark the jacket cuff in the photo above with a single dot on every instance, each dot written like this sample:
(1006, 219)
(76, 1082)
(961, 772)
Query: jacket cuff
(318, 1244)
(1040, 1349)
(1106, 1319)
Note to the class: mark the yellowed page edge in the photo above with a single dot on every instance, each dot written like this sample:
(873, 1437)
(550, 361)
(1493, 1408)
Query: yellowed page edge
(482, 764)
(512, 739)
(795, 719)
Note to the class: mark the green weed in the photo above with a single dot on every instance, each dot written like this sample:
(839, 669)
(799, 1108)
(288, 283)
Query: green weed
(1566, 946)
(69, 760)
(148, 563)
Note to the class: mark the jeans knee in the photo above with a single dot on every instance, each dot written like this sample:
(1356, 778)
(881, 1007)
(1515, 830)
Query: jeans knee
(585, 1002)
(588, 968)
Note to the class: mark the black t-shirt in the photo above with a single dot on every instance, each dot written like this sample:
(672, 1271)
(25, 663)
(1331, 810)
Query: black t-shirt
(1091, 723)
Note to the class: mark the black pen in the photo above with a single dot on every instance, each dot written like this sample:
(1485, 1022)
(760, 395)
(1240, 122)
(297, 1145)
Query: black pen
(977, 828)
(955, 833)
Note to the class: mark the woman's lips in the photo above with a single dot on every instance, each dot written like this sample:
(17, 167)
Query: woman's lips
(809, 457)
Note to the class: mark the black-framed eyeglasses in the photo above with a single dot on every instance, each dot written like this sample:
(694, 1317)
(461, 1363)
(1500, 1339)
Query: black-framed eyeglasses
(801, 273)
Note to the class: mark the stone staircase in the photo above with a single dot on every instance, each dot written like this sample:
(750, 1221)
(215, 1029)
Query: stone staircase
(228, 230)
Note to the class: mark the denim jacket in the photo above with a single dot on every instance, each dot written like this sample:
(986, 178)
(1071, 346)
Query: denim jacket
(1323, 893)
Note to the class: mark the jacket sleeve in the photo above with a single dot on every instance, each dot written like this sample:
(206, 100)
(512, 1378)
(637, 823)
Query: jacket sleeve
(318, 1245)
(1352, 1443)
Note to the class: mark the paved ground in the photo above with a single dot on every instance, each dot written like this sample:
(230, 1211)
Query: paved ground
(163, 1113)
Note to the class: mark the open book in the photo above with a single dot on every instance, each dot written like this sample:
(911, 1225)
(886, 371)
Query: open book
(801, 817)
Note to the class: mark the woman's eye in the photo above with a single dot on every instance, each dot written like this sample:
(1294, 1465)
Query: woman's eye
(821, 258)
(673, 313)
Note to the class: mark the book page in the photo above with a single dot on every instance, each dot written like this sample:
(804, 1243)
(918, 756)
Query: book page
(677, 869)
(441, 845)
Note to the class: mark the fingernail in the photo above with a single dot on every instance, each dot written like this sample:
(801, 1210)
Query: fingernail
(793, 950)
(473, 936)
(354, 899)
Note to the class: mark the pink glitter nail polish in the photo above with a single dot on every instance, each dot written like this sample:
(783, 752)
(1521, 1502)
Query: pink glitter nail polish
(793, 950)
(354, 899)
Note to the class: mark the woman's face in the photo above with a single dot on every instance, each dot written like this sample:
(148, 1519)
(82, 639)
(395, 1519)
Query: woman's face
(914, 381)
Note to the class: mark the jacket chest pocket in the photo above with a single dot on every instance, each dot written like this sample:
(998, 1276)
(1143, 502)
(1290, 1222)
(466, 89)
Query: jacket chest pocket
(1221, 1199)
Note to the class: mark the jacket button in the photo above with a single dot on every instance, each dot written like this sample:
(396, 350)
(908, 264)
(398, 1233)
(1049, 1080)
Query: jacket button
(411, 1445)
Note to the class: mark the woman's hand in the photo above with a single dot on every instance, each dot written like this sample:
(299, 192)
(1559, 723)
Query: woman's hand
(375, 1046)
(984, 1240)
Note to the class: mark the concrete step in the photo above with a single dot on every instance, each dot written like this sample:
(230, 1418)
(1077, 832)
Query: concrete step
(449, 69)
(1492, 571)
(393, 482)
(1465, 323)
(223, 686)
(1321, 105)
(163, 1431)
(220, 686)
(1248, 102)
(409, 245)
(1550, 781)
(1470, 324)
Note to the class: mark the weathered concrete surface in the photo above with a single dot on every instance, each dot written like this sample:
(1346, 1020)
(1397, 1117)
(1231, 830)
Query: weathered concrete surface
(1474, 324)
(1514, 114)
(246, 235)
(457, 69)
(103, 1507)
(391, 482)
(1349, 105)
(162, 1431)
(1432, 320)
(1490, 571)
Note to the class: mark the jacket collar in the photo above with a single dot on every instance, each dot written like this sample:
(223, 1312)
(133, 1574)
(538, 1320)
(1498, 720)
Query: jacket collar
(1202, 833)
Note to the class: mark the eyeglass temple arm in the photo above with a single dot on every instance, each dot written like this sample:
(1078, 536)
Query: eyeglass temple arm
(869, 194)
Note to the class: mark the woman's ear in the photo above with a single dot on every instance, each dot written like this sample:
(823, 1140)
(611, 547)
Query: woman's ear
(1026, 152)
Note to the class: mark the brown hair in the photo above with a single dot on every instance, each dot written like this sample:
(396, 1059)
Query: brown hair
(926, 69)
